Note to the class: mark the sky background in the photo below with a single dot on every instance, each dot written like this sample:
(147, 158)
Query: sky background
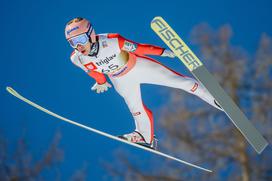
(35, 61)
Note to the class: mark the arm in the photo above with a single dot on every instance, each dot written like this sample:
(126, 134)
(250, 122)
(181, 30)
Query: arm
(99, 77)
(137, 48)
(101, 84)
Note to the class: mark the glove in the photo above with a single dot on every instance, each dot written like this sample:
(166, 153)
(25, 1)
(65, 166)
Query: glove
(168, 53)
(99, 88)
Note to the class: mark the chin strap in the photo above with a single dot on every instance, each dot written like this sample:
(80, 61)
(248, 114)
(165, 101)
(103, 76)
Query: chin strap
(94, 49)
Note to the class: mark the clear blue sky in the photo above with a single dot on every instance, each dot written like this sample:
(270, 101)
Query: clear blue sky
(35, 61)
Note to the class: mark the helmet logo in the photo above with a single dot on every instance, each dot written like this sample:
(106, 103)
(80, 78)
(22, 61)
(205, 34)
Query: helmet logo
(73, 29)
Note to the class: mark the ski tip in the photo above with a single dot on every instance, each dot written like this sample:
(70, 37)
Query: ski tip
(11, 90)
(8, 88)
(156, 18)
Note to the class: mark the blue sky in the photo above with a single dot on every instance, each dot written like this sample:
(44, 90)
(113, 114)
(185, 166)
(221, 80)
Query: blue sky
(35, 61)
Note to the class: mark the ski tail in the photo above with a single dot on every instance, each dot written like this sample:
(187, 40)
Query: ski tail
(16, 94)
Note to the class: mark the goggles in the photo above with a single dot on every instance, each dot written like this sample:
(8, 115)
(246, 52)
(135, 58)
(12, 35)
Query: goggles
(81, 39)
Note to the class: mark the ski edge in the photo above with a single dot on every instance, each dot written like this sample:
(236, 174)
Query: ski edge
(17, 95)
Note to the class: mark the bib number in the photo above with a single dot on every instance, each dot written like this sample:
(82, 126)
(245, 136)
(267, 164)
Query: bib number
(110, 68)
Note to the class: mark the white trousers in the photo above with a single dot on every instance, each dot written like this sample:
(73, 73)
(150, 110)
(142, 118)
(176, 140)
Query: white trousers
(149, 71)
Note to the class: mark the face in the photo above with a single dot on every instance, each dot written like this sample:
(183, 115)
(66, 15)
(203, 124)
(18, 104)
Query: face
(84, 49)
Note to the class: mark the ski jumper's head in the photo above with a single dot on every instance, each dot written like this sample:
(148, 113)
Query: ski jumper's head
(80, 34)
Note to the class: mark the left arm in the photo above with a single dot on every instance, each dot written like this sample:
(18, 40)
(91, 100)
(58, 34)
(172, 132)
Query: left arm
(138, 48)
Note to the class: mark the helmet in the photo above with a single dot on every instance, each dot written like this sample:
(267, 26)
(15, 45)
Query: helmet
(79, 26)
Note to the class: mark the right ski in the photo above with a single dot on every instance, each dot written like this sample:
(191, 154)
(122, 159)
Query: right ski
(14, 93)
(196, 67)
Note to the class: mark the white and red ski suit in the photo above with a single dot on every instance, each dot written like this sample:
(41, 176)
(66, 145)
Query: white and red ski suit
(126, 65)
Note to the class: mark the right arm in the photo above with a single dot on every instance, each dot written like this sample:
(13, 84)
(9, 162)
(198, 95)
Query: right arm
(97, 76)
(101, 84)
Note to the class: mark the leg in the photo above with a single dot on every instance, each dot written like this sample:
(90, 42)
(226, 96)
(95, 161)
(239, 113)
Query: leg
(130, 91)
(153, 72)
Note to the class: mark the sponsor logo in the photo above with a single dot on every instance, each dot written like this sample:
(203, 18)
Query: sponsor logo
(175, 43)
(90, 66)
(194, 87)
(136, 113)
(130, 47)
(106, 60)
(73, 29)
(104, 44)
(118, 73)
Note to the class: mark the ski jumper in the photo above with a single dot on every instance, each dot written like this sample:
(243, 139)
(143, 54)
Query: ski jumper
(127, 66)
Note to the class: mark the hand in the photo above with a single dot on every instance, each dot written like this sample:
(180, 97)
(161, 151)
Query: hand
(168, 53)
(100, 88)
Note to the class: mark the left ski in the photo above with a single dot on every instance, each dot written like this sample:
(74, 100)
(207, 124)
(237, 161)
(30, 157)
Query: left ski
(14, 93)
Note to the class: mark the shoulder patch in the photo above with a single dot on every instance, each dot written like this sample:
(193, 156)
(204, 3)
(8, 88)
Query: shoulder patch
(129, 46)
(103, 36)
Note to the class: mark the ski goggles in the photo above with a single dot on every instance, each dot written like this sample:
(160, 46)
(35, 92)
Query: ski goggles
(81, 39)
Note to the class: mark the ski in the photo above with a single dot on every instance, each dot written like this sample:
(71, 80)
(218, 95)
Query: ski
(16, 94)
(196, 67)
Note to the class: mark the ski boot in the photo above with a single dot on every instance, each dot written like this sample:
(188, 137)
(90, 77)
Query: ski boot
(218, 105)
(136, 137)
